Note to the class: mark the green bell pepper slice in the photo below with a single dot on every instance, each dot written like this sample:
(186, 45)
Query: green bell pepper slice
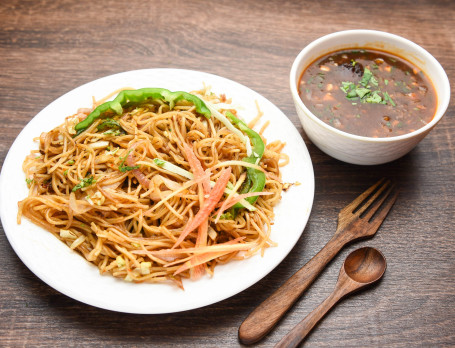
(138, 96)
(255, 180)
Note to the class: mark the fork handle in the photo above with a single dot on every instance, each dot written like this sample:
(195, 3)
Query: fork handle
(269, 312)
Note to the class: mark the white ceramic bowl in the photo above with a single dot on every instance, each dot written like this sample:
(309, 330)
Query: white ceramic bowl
(358, 149)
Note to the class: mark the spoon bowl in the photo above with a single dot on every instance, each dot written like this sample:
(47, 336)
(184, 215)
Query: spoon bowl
(365, 265)
(361, 268)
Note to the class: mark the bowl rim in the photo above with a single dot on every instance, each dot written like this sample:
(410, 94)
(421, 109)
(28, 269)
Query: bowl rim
(430, 60)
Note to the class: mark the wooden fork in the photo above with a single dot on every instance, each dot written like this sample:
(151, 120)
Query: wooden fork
(360, 219)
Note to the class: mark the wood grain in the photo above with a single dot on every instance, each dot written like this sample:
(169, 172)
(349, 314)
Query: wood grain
(50, 47)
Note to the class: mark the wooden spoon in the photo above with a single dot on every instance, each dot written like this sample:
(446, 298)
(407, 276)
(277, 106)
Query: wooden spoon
(362, 267)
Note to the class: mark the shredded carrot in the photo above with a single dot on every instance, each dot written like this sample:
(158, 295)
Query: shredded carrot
(196, 167)
(201, 259)
(230, 246)
(201, 240)
(227, 246)
(178, 282)
(198, 172)
(234, 200)
(233, 193)
(209, 205)
(174, 193)
(198, 260)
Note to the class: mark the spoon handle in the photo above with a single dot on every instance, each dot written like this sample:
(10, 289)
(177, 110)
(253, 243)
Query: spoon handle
(269, 312)
(299, 332)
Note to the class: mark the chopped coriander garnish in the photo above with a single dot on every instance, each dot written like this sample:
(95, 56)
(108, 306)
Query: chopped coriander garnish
(374, 98)
(386, 82)
(346, 86)
(387, 98)
(84, 183)
(367, 75)
(124, 169)
(373, 81)
(70, 162)
(351, 94)
(159, 162)
(361, 92)
(364, 90)
(29, 181)
(122, 166)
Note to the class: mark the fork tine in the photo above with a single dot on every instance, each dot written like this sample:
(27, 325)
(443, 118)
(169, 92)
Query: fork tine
(373, 199)
(378, 202)
(379, 218)
(356, 202)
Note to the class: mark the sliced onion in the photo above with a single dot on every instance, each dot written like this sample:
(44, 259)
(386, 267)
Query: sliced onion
(143, 180)
(78, 207)
(170, 184)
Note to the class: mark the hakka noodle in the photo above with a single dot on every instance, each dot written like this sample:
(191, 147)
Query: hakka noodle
(156, 185)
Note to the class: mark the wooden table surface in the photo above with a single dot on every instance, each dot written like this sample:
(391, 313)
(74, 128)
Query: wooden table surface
(50, 47)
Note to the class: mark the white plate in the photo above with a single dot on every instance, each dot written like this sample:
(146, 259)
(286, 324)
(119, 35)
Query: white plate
(66, 271)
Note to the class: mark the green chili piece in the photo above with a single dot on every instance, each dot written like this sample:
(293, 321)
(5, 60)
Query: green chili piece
(129, 97)
(255, 181)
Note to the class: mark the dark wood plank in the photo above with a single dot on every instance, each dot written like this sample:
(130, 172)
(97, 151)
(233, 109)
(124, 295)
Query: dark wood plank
(50, 47)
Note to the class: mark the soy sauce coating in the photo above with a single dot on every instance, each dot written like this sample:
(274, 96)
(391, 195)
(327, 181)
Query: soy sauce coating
(368, 92)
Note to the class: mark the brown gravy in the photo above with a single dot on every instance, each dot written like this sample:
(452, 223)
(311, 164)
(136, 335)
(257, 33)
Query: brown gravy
(368, 92)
